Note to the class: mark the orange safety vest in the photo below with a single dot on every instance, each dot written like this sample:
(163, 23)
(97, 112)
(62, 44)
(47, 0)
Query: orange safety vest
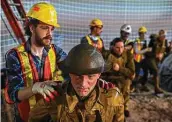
(30, 76)
(138, 57)
(98, 45)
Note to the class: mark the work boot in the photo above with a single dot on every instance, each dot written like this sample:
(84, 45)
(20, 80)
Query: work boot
(127, 113)
(158, 90)
(132, 89)
(144, 88)
(134, 84)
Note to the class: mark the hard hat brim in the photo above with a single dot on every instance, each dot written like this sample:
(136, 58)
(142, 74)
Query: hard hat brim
(57, 26)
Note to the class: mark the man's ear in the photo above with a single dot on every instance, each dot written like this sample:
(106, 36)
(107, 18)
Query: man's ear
(99, 75)
(31, 27)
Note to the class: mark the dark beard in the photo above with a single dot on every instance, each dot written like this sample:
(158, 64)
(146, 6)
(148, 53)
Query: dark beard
(40, 43)
(117, 55)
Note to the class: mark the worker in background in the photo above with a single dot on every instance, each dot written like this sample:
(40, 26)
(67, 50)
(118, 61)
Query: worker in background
(159, 49)
(125, 32)
(34, 64)
(122, 71)
(146, 70)
(81, 98)
(94, 39)
(140, 48)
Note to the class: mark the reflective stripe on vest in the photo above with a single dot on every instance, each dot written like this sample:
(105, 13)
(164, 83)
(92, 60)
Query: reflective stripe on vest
(98, 45)
(30, 76)
(138, 57)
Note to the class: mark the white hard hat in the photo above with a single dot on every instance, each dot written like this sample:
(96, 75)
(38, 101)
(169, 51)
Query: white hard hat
(126, 28)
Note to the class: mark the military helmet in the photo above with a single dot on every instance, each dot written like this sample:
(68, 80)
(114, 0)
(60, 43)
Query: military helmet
(84, 59)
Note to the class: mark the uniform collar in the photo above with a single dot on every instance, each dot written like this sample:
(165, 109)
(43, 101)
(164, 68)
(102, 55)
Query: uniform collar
(91, 103)
(121, 56)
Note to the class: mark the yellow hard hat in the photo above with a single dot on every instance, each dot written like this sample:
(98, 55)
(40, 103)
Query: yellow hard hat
(142, 29)
(45, 12)
(96, 22)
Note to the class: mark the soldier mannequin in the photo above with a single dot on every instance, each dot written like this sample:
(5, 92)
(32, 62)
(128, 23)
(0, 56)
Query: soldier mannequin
(81, 99)
(123, 69)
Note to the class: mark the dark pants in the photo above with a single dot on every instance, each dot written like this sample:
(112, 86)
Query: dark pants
(138, 66)
(149, 64)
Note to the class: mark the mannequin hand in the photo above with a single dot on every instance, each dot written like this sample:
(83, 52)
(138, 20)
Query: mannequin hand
(105, 85)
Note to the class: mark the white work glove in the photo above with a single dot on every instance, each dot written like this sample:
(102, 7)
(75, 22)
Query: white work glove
(45, 89)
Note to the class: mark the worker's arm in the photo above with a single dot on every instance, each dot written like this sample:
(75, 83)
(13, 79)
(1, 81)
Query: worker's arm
(44, 88)
(143, 51)
(16, 87)
(15, 79)
(25, 93)
(60, 54)
(60, 57)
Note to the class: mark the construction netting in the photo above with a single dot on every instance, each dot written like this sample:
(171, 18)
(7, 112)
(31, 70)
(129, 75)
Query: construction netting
(75, 15)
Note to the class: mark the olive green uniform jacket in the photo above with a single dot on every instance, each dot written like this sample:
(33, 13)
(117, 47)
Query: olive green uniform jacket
(151, 61)
(126, 67)
(157, 47)
(123, 77)
(100, 106)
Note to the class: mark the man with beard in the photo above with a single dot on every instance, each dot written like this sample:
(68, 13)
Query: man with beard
(122, 71)
(94, 39)
(81, 99)
(125, 32)
(34, 64)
